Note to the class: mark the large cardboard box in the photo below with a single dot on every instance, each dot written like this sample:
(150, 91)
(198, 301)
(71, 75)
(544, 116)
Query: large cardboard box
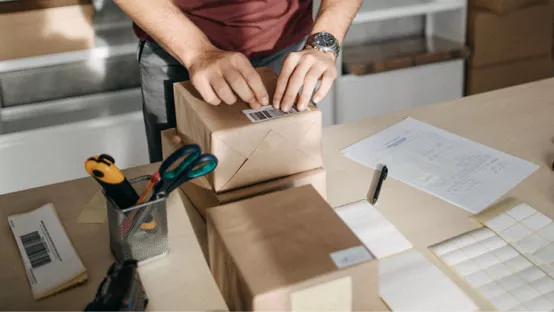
(509, 74)
(289, 251)
(502, 6)
(520, 34)
(203, 196)
(249, 152)
(46, 31)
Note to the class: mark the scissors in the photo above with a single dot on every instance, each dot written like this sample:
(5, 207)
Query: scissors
(165, 180)
(192, 166)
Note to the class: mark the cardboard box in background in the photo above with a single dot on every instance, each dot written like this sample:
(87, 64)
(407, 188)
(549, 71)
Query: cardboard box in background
(249, 152)
(501, 6)
(509, 74)
(202, 195)
(19, 6)
(523, 33)
(276, 251)
(46, 31)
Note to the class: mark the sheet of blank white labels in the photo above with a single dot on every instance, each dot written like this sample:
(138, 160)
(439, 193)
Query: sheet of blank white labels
(497, 270)
(528, 231)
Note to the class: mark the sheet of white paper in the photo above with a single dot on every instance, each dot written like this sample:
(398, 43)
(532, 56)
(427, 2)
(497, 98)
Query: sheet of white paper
(462, 172)
(409, 282)
(373, 229)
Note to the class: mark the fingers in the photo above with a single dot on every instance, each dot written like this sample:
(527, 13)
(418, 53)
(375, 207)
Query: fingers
(241, 88)
(310, 82)
(294, 84)
(223, 90)
(326, 82)
(203, 87)
(289, 65)
(254, 81)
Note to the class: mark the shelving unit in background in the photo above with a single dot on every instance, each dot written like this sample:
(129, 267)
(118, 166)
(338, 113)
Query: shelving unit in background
(379, 92)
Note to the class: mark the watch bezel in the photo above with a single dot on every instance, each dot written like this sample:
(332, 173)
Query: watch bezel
(315, 41)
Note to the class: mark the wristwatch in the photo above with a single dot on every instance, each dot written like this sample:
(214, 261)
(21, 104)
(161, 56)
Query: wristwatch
(325, 42)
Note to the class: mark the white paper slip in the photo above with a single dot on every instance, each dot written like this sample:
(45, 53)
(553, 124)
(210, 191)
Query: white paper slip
(462, 172)
(409, 282)
(49, 258)
(373, 229)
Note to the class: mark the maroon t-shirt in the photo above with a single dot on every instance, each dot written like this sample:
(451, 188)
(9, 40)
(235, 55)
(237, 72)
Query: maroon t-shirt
(253, 27)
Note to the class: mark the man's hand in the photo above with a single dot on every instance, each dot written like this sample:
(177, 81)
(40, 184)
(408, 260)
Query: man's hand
(221, 75)
(304, 69)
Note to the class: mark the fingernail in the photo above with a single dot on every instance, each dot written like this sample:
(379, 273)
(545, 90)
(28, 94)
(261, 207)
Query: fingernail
(316, 99)
(276, 103)
(265, 101)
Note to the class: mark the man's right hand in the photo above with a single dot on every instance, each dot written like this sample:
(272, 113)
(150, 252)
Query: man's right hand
(219, 76)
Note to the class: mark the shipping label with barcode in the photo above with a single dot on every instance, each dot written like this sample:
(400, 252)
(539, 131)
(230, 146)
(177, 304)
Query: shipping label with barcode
(266, 113)
(49, 258)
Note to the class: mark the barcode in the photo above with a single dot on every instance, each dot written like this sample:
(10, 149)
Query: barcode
(266, 113)
(35, 248)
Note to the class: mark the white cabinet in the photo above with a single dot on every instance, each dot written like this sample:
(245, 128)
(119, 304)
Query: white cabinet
(382, 93)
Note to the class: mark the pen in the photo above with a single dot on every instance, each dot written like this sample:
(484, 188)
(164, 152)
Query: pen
(382, 177)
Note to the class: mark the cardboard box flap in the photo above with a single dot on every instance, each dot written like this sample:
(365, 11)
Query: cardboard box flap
(286, 145)
(283, 153)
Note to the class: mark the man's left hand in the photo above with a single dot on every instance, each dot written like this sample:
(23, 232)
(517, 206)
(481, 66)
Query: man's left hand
(304, 69)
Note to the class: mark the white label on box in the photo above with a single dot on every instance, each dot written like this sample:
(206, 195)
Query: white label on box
(351, 256)
(332, 296)
(266, 113)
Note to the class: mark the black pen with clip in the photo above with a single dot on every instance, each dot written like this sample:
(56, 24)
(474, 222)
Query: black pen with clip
(382, 178)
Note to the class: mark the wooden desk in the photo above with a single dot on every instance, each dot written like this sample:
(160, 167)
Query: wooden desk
(519, 121)
(179, 281)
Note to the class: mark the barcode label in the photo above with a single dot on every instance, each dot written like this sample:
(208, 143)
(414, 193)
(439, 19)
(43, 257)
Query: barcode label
(35, 249)
(266, 113)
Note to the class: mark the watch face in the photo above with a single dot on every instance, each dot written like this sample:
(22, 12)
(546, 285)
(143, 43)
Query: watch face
(325, 40)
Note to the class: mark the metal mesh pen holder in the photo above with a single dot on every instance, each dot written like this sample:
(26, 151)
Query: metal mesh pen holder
(138, 232)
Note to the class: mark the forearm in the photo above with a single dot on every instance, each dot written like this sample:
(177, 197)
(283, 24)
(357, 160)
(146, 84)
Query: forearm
(335, 17)
(171, 29)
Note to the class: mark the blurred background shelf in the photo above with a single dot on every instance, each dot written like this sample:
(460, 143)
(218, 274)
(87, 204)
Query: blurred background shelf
(400, 54)
(364, 59)
(376, 10)
(63, 103)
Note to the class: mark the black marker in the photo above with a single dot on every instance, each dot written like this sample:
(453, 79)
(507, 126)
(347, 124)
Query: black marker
(382, 177)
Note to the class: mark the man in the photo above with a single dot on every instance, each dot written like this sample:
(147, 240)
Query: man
(217, 44)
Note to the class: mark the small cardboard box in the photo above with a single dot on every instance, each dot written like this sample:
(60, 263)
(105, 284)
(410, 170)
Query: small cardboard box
(46, 31)
(249, 152)
(508, 74)
(289, 251)
(520, 34)
(202, 195)
(502, 6)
